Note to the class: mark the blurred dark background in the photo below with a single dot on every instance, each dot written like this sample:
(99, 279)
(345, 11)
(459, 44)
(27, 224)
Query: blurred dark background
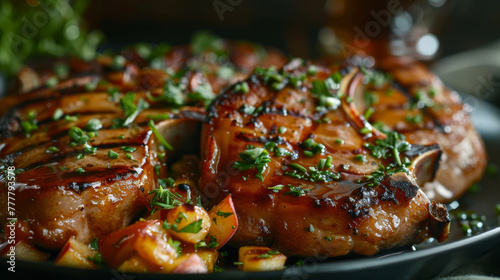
(292, 26)
(427, 30)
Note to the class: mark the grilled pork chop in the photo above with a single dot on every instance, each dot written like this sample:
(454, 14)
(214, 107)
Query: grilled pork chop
(443, 120)
(81, 141)
(308, 174)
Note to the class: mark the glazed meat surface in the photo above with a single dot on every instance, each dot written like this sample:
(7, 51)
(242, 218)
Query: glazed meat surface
(444, 121)
(78, 133)
(309, 175)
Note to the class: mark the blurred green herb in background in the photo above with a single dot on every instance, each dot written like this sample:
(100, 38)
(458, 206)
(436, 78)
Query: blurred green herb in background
(43, 28)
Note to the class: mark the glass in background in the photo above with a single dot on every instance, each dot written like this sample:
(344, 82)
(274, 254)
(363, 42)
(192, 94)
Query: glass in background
(384, 27)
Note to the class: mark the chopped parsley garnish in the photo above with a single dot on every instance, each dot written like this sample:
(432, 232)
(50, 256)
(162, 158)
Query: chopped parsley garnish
(176, 244)
(213, 242)
(295, 191)
(360, 158)
(254, 158)
(130, 109)
(128, 149)
(159, 137)
(58, 113)
(218, 269)
(312, 70)
(313, 175)
(52, 149)
(308, 154)
(224, 214)
(276, 188)
(365, 130)
(205, 41)
(369, 112)
(241, 87)
(89, 149)
(321, 89)
(328, 163)
(376, 78)
(264, 256)
(414, 119)
(69, 118)
(296, 81)
(250, 110)
(77, 135)
(378, 176)
(371, 98)
(392, 145)
(172, 94)
(315, 148)
(80, 170)
(80, 156)
(281, 129)
(93, 125)
(310, 228)
(202, 92)
(61, 70)
(193, 227)
(164, 198)
(97, 259)
(423, 99)
(272, 78)
(118, 62)
(30, 125)
(52, 82)
(167, 183)
(327, 238)
(112, 154)
(159, 117)
(94, 244)
(225, 72)
(278, 151)
(339, 141)
(298, 167)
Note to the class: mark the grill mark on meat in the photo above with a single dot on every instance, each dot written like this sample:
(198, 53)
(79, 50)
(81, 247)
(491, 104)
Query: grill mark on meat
(45, 94)
(73, 153)
(136, 140)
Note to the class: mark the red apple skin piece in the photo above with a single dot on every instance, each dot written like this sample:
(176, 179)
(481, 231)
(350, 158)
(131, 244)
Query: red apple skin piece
(119, 245)
(192, 264)
(225, 227)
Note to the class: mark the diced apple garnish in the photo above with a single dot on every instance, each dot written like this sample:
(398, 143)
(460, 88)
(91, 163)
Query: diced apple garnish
(135, 264)
(191, 263)
(224, 222)
(190, 223)
(208, 257)
(255, 258)
(146, 239)
(27, 252)
(75, 254)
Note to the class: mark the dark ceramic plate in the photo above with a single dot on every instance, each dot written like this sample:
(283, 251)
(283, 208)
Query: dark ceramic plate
(423, 261)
